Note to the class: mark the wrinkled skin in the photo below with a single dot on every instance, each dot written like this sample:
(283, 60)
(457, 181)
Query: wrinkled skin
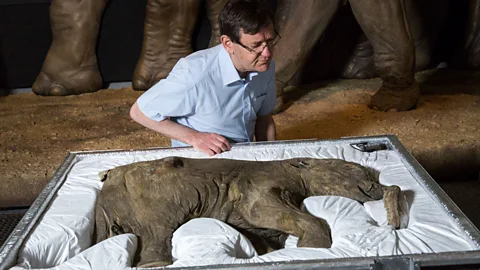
(385, 25)
(472, 43)
(360, 65)
(70, 66)
(164, 42)
(152, 199)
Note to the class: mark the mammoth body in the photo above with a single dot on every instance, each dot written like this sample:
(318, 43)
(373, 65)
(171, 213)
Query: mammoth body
(152, 199)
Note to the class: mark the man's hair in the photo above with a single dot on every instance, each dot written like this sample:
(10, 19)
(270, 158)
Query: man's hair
(248, 15)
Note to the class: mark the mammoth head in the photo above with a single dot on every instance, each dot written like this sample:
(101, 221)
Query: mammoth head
(339, 178)
(162, 168)
(165, 166)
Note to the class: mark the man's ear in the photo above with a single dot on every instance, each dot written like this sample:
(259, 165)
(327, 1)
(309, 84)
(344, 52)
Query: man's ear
(227, 43)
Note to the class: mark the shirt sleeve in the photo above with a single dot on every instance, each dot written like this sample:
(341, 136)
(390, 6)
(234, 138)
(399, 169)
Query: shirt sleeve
(271, 95)
(170, 97)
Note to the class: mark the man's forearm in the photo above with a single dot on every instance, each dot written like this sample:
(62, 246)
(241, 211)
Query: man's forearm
(265, 128)
(166, 127)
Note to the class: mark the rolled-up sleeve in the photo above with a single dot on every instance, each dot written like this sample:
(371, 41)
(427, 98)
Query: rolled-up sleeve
(271, 95)
(170, 97)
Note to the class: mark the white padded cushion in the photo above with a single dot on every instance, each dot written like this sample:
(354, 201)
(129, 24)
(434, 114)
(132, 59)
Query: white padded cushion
(113, 253)
(206, 241)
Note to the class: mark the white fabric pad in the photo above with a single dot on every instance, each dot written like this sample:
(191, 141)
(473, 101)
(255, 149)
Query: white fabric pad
(113, 253)
(63, 235)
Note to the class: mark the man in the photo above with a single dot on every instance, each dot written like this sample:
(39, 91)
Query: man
(223, 94)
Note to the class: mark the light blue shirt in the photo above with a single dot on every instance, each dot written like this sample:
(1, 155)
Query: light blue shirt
(205, 92)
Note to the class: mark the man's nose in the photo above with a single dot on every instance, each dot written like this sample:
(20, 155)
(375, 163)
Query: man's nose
(267, 52)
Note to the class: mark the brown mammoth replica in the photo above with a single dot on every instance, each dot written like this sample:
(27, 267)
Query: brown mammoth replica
(70, 66)
(152, 199)
(425, 24)
(384, 23)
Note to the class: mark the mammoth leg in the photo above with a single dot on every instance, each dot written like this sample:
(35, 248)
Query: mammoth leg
(425, 27)
(422, 50)
(300, 26)
(394, 51)
(167, 38)
(70, 66)
(264, 240)
(101, 224)
(213, 9)
(473, 35)
(157, 250)
(273, 213)
(361, 63)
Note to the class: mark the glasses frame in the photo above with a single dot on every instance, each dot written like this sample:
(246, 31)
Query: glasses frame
(266, 44)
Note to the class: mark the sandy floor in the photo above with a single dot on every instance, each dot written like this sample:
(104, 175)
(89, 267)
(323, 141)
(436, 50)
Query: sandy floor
(443, 133)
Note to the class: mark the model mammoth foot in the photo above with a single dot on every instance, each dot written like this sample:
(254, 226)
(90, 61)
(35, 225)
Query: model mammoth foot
(146, 75)
(65, 82)
(359, 68)
(149, 72)
(361, 64)
(281, 105)
(281, 99)
(395, 100)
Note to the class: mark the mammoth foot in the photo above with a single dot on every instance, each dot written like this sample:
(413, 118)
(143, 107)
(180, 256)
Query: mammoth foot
(70, 67)
(167, 38)
(360, 64)
(149, 72)
(281, 103)
(359, 68)
(395, 100)
(73, 81)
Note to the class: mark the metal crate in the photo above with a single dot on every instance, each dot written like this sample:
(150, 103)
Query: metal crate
(9, 250)
(9, 218)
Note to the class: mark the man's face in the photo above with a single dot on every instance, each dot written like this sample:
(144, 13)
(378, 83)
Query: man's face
(257, 50)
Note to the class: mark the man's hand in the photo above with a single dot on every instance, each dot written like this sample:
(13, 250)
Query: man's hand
(210, 143)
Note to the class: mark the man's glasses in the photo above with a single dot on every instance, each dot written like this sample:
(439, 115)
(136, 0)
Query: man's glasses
(260, 48)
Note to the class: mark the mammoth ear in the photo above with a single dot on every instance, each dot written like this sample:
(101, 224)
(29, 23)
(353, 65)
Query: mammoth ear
(176, 162)
(103, 175)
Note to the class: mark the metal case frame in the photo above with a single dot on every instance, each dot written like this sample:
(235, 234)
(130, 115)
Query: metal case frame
(9, 250)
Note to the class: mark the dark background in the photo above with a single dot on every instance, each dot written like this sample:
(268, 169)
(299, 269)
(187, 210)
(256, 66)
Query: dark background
(25, 38)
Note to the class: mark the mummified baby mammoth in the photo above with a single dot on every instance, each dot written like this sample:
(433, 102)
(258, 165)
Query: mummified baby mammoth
(152, 199)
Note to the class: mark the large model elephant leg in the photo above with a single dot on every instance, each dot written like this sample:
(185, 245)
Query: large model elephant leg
(361, 63)
(214, 7)
(393, 48)
(167, 38)
(473, 35)
(70, 66)
(301, 25)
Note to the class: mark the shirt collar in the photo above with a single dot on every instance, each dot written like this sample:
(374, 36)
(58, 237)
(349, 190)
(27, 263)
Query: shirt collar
(252, 74)
(229, 72)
